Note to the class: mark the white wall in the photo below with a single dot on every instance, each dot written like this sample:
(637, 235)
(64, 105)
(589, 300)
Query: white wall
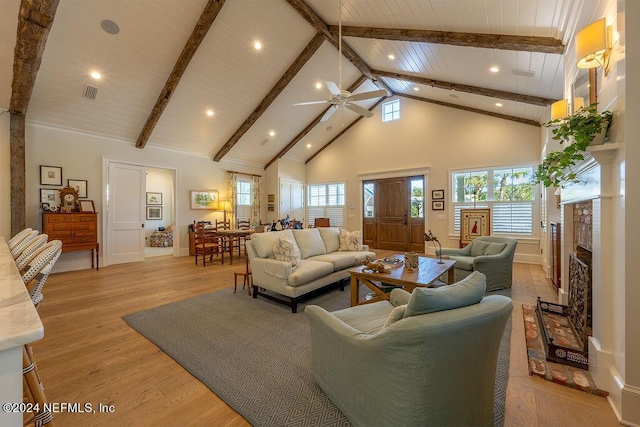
(81, 155)
(426, 136)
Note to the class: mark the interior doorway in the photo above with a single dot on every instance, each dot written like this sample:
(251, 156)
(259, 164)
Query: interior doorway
(140, 201)
(393, 214)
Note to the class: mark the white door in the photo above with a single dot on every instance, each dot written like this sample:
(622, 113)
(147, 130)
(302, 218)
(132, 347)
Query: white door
(126, 198)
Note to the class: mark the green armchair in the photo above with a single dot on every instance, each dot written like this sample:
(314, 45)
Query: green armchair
(431, 369)
(490, 255)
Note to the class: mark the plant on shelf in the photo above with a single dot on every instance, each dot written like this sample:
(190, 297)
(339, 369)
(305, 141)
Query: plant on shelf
(578, 131)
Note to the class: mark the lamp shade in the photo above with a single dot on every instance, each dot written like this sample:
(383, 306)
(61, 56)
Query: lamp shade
(591, 44)
(578, 103)
(559, 109)
(225, 205)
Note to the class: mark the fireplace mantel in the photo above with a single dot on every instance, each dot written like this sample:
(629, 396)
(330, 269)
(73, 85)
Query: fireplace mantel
(593, 183)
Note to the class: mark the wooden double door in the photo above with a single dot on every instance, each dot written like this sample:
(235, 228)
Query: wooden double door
(393, 216)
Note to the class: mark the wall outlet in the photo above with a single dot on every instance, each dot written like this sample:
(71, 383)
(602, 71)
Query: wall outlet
(442, 217)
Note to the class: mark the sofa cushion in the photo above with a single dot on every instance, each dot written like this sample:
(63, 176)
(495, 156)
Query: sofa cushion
(468, 291)
(287, 250)
(339, 260)
(330, 238)
(494, 248)
(309, 242)
(396, 314)
(350, 240)
(361, 256)
(263, 243)
(309, 270)
(463, 262)
(478, 247)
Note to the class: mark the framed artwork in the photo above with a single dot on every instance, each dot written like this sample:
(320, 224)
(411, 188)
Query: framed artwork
(204, 199)
(50, 175)
(86, 206)
(154, 198)
(437, 195)
(271, 198)
(474, 223)
(154, 212)
(80, 185)
(437, 205)
(48, 195)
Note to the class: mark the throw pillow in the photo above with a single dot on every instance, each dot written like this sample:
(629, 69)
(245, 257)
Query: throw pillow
(495, 248)
(287, 250)
(468, 291)
(396, 314)
(350, 240)
(478, 247)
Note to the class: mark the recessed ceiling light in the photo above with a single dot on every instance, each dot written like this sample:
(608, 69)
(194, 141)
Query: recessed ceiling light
(96, 75)
(308, 145)
(494, 69)
(272, 133)
(416, 88)
(210, 113)
(110, 27)
(391, 57)
(329, 128)
(453, 95)
(498, 104)
(318, 85)
(257, 45)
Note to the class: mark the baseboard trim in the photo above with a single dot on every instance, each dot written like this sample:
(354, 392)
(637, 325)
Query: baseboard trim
(624, 400)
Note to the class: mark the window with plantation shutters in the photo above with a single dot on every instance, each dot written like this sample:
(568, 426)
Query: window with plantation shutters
(326, 201)
(244, 195)
(508, 191)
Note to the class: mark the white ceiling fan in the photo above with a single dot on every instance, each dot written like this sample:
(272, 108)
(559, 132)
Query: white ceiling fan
(342, 98)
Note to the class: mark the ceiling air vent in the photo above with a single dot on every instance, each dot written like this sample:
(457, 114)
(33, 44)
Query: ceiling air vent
(525, 73)
(90, 92)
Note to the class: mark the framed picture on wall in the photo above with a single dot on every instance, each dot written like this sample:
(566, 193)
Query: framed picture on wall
(50, 175)
(80, 185)
(204, 199)
(437, 194)
(154, 198)
(474, 223)
(154, 212)
(48, 195)
(86, 206)
(437, 205)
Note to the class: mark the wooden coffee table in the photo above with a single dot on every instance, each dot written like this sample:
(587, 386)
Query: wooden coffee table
(427, 272)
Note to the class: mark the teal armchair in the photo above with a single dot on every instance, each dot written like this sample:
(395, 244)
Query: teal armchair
(490, 255)
(431, 369)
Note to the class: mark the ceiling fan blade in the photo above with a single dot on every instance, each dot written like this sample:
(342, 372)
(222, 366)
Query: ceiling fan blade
(358, 109)
(333, 88)
(329, 113)
(367, 95)
(311, 103)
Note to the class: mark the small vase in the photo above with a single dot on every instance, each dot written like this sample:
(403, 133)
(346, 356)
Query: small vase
(598, 139)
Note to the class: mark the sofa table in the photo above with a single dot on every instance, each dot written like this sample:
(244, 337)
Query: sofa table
(427, 272)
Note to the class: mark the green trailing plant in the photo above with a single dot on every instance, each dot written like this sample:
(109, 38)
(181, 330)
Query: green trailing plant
(577, 130)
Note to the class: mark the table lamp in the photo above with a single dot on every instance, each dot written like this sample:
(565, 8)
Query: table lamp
(429, 237)
(225, 206)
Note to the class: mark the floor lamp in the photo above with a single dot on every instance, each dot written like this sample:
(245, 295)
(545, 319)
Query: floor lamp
(225, 206)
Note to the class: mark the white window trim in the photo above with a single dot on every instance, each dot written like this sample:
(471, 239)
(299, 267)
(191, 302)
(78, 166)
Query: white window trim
(535, 236)
(308, 206)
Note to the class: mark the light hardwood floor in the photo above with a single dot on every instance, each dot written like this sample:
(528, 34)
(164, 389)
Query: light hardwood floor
(90, 355)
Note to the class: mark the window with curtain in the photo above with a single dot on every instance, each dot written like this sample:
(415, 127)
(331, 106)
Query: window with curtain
(326, 201)
(508, 191)
(244, 196)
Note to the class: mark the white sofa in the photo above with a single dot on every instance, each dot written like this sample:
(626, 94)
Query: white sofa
(321, 264)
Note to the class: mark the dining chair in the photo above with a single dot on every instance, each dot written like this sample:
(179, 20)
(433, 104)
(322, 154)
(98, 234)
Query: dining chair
(32, 249)
(18, 238)
(207, 244)
(240, 242)
(23, 243)
(246, 278)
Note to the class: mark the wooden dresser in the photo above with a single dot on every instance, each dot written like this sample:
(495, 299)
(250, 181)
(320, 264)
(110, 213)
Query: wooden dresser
(77, 231)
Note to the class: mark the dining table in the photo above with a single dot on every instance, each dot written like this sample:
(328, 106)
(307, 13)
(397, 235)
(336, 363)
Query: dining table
(230, 236)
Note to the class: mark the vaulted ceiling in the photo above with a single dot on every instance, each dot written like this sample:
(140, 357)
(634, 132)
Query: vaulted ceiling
(230, 77)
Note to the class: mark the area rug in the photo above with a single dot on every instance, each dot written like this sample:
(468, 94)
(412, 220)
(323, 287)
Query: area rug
(566, 375)
(256, 355)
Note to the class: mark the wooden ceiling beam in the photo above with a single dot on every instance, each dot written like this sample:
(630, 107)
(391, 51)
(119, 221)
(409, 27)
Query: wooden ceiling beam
(288, 75)
(310, 126)
(322, 27)
(510, 96)
(201, 29)
(35, 19)
(486, 41)
(344, 130)
(473, 110)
